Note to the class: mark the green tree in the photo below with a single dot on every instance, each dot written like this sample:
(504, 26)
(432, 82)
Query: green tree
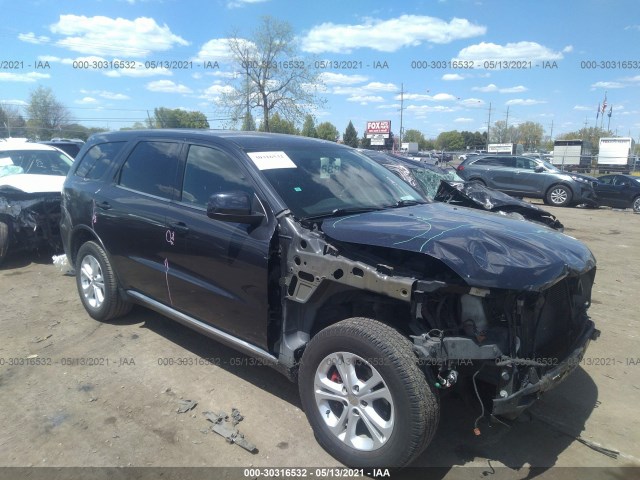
(248, 123)
(309, 127)
(590, 134)
(47, 115)
(264, 84)
(412, 135)
(450, 141)
(350, 136)
(328, 131)
(365, 142)
(12, 124)
(531, 134)
(279, 125)
(177, 118)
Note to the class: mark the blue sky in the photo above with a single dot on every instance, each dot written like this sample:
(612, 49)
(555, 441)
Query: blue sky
(569, 33)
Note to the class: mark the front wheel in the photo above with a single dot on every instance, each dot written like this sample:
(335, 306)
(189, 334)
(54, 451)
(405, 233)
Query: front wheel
(636, 204)
(4, 241)
(367, 401)
(97, 284)
(559, 196)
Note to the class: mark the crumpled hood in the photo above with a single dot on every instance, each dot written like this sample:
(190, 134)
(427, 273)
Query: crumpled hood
(33, 183)
(484, 249)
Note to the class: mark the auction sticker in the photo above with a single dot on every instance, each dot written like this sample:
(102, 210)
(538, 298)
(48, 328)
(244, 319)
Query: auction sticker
(271, 160)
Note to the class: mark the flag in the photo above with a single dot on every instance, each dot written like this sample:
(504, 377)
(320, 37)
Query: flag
(598, 112)
(604, 103)
(610, 111)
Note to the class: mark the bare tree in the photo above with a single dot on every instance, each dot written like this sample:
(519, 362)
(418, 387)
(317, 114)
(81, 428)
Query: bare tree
(46, 114)
(273, 76)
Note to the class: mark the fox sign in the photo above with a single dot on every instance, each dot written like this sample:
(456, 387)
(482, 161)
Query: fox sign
(378, 127)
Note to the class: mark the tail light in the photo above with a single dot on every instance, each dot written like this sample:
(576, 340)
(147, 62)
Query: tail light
(460, 168)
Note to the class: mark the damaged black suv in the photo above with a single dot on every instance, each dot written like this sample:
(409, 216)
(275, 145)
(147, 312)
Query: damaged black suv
(322, 263)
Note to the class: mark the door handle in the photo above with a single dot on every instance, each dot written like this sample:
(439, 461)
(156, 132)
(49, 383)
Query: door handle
(180, 228)
(104, 205)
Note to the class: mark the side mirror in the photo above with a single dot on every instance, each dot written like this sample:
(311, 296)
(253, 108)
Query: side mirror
(233, 207)
(539, 169)
(624, 184)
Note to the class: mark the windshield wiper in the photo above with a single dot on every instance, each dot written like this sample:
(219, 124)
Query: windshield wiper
(405, 203)
(338, 212)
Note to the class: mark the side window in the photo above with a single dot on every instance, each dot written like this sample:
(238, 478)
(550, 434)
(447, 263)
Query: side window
(151, 168)
(607, 179)
(98, 159)
(525, 163)
(210, 171)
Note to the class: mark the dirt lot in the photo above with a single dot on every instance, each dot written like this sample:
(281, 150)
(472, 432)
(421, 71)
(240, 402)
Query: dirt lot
(118, 408)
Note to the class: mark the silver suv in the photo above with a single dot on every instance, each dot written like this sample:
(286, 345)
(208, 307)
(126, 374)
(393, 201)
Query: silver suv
(529, 177)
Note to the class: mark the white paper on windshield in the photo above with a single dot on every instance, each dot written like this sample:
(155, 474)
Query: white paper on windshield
(5, 161)
(271, 160)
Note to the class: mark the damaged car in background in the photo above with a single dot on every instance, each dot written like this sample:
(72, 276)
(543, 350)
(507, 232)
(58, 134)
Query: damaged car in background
(325, 265)
(445, 185)
(31, 178)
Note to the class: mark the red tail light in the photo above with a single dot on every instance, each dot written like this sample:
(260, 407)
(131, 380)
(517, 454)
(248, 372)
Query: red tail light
(460, 168)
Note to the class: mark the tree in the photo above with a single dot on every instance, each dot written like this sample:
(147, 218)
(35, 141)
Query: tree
(531, 134)
(12, 124)
(279, 125)
(590, 134)
(264, 82)
(248, 123)
(365, 142)
(309, 127)
(177, 118)
(328, 131)
(47, 115)
(350, 136)
(450, 141)
(412, 135)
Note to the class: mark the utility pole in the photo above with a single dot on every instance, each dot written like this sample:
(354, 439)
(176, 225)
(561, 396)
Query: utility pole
(488, 126)
(401, 109)
(506, 123)
(551, 134)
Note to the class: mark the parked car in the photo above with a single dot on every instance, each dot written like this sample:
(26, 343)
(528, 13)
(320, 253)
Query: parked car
(445, 185)
(71, 146)
(618, 191)
(31, 178)
(325, 265)
(529, 177)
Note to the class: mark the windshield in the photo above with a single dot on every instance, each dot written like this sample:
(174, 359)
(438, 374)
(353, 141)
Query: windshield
(42, 162)
(319, 181)
(548, 166)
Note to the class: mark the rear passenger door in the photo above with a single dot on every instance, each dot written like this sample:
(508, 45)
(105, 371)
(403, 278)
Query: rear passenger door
(130, 215)
(218, 270)
(498, 171)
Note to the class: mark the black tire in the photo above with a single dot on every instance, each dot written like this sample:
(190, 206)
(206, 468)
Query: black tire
(98, 276)
(479, 181)
(635, 204)
(414, 409)
(4, 241)
(559, 196)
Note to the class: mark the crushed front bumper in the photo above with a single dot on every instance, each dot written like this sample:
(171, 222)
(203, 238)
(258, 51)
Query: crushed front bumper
(514, 404)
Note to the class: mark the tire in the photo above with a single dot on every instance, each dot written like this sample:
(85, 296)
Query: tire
(4, 241)
(97, 284)
(558, 196)
(479, 181)
(636, 204)
(404, 403)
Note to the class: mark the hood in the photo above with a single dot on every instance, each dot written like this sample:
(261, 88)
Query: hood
(32, 183)
(484, 249)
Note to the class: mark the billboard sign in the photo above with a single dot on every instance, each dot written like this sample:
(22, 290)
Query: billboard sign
(378, 127)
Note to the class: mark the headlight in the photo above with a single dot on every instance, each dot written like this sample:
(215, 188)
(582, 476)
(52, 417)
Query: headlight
(579, 179)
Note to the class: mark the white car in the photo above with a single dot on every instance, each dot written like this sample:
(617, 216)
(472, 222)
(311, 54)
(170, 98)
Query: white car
(31, 178)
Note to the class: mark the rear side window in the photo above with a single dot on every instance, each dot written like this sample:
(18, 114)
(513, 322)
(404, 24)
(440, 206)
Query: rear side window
(151, 168)
(210, 171)
(98, 160)
(495, 161)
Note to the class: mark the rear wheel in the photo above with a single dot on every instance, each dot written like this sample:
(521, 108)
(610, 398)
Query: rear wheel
(97, 284)
(368, 402)
(559, 196)
(636, 204)
(4, 241)
(479, 181)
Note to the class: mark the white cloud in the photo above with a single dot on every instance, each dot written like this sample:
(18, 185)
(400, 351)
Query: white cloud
(167, 86)
(608, 85)
(518, 51)
(567, 49)
(388, 35)
(632, 27)
(393, 106)
(582, 108)
(106, 94)
(341, 79)
(30, 77)
(492, 87)
(214, 92)
(438, 97)
(87, 101)
(243, 3)
(472, 102)
(221, 74)
(217, 49)
(452, 77)
(422, 109)
(33, 38)
(49, 58)
(525, 102)
(101, 35)
(139, 71)
(463, 120)
(365, 99)
(372, 87)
